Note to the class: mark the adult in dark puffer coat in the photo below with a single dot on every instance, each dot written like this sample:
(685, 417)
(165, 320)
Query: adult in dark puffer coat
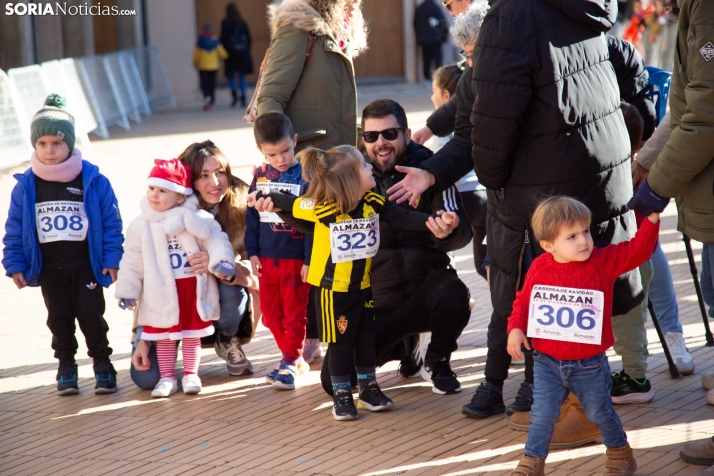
(546, 121)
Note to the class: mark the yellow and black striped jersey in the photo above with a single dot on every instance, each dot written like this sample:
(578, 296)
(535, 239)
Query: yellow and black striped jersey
(343, 276)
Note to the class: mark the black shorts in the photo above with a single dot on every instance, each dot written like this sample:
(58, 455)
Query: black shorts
(340, 313)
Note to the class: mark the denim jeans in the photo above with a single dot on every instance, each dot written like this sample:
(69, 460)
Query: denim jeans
(661, 293)
(589, 379)
(234, 303)
(707, 276)
(243, 83)
(234, 306)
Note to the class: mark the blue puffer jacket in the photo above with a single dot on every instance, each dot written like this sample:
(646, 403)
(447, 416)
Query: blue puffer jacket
(22, 247)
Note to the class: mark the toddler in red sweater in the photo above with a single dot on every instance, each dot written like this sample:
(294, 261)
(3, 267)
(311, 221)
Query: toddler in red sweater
(565, 306)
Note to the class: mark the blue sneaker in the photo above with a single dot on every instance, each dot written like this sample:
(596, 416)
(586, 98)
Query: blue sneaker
(270, 376)
(106, 378)
(285, 378)
(67, 379)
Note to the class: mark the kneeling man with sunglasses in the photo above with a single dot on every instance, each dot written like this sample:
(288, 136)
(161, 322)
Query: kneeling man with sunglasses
(415, 287)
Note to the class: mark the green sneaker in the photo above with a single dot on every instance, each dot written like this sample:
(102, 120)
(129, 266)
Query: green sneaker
(626, 389)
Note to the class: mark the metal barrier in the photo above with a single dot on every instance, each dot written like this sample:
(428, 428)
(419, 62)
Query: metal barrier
(32, 86)
(15, 145)
(102, 88)
(153, 76)
(116, 69)
(134, 81)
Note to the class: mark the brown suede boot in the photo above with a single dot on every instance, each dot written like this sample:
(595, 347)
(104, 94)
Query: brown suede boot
(620, 461)
(572, 429)
(528, 466)
(699, 452)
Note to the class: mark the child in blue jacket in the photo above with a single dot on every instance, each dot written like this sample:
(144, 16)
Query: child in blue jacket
(64, 233)
(279, 254)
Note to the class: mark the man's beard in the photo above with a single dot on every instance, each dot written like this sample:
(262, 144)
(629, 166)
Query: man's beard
(398, 158)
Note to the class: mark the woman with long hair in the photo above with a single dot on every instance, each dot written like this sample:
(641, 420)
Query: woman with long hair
(224, 196)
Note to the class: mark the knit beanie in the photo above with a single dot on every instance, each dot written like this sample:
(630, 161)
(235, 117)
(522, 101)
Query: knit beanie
(172, 175)
(53, 120)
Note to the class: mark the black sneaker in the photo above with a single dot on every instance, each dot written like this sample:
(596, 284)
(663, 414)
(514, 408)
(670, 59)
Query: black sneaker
(488, 400)
(343, 407)
(106, 378)
(436, 369)
(410, 366)
(524, 400)
(372, 399)
(626, 389)
(67, 379)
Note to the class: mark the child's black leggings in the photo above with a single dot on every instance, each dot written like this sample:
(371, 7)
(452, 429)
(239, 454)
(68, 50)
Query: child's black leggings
(345, 356)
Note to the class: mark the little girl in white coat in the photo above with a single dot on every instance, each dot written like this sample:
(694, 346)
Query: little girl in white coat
(173, 302)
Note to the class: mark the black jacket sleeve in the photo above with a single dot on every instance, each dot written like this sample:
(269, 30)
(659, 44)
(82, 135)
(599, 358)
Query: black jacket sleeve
(402, 218)
(450, 201)
(633, 79)
(453, 161)
(443, 120)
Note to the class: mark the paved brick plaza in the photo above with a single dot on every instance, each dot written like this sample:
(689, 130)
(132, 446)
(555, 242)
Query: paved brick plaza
(242, 426)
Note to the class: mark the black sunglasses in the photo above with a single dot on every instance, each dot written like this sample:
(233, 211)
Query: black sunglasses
(389, 134)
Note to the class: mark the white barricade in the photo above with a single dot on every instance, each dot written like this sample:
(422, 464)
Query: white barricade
(15, 145)
(101, 86)
(153, 76)
(134, 82)
(130, 103)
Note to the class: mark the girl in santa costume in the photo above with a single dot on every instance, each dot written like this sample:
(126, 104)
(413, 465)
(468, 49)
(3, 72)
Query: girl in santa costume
(173, 302)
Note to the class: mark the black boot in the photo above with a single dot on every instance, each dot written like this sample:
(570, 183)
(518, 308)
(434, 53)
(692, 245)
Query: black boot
(242, 101)
(235, 98)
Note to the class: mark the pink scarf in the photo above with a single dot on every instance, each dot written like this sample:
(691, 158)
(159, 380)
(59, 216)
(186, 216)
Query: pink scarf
(63, 172)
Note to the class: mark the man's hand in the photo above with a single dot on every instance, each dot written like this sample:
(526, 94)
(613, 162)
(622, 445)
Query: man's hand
(199, 262)
(443, 224)
(140, 359)
(647, 201)
(422, 135)
(19, 280)
(515, 339)
(303, 272)
(112, 272)
(411, 186)
(639, 174)
(256, 265)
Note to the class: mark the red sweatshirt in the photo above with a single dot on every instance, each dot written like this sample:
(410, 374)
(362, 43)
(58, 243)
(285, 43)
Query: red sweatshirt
(597, 273)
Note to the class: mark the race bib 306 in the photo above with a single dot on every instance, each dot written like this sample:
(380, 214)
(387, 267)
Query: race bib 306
(566, 314)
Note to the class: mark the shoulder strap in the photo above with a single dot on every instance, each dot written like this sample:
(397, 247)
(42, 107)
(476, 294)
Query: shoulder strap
(312, 38)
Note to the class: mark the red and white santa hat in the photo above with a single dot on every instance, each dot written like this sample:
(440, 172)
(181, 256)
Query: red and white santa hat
(172, 175)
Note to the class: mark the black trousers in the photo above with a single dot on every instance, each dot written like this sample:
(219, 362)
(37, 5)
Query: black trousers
(69, 294)
(475, 208)
(208, 84)
(431, 54)
(440, 306)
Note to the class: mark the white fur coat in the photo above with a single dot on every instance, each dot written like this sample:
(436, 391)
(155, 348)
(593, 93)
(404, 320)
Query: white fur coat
(145, 272)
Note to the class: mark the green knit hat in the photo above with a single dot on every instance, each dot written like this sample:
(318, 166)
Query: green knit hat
(53, 120)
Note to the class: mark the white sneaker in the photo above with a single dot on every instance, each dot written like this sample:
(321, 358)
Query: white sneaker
(708, 381)
(311, 350)
(302, 366)
(682, 358)
(166, 387)
(191, 384)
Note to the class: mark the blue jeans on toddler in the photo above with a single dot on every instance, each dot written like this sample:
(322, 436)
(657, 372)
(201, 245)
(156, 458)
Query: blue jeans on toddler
(590, 381)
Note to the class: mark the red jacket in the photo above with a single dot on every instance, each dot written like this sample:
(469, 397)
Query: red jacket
(597, 273)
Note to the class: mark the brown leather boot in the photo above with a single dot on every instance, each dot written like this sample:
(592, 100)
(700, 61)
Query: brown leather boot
(572, 428)
(528, 466)
(620, 461)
